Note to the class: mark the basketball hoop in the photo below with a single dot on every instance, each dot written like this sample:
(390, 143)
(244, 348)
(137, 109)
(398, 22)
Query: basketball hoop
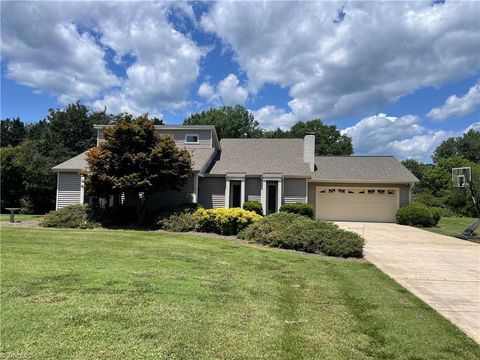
(461, 177)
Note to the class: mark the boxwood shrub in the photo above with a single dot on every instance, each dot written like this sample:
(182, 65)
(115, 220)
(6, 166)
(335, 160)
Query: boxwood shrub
(254, 206)
(224, 221)
(178, 222)
(297, 232)
(73, 216)
(299, 208)
(418, 215)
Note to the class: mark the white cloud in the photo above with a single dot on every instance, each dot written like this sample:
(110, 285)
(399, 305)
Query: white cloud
(378, 53)
(271, 118)
(400, 136)
(228, 91)
(457, 106)
(62, 48)
(231, 92)
(206, 91)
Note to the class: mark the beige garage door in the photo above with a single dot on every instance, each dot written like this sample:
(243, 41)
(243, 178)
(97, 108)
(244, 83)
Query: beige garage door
(357, 204)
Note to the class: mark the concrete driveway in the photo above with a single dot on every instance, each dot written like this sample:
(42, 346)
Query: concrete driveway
(441, 270)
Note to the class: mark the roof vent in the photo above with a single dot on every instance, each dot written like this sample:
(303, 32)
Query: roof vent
(309, 150)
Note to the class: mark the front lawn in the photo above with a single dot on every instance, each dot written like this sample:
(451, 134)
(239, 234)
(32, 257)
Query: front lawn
(20, 217)
(98, 294)
(453, 226)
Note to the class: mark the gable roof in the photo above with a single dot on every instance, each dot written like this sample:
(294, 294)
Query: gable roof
(260, 156)
(362, 168)
(200, 157)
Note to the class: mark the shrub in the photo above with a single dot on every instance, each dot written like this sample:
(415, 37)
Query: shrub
(299, 208)
(254, 206)
(164, 213)
(418, 215)
(178, 222)
(73, 216)
(297, 232)
(224, 221)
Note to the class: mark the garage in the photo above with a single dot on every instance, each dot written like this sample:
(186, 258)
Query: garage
(378, 204)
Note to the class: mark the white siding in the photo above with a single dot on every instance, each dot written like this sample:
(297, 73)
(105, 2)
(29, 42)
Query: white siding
(68, 189)
(211, 192)
(295, 191)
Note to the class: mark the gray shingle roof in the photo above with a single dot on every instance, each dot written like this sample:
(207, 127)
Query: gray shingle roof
(260, 156)
(362, 168)
(77, 163)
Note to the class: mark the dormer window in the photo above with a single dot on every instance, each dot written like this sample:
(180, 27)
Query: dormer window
(191, 139)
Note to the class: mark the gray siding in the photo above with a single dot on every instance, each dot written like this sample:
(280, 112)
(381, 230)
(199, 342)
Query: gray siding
(404, 190)
(172, 198)
(253, 188)
(294, 191)
(211, 192)
(68, 189)
(205, 137)
(404, 195)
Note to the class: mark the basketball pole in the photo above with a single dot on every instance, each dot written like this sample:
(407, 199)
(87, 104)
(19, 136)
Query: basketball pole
(468, 232)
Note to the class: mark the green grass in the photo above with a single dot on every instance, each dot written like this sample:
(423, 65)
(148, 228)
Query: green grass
(104, 294)
(453, 226)
(20, 217)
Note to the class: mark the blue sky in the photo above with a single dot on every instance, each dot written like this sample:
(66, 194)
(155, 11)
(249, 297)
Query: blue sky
(398, 77)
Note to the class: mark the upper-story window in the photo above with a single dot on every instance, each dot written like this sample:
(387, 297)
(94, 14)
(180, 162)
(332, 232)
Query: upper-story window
(191, 139)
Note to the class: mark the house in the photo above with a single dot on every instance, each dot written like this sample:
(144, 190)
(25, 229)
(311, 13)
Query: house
(229, 172)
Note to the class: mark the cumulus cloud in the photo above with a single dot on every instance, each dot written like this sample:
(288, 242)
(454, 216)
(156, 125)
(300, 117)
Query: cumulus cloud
(62, 48)
(228, 91)
(457, 106)
(337, 69)
(400, 136)
(271, 118)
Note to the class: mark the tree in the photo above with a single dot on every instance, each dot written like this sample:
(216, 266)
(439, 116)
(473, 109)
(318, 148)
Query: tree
(467, 146)
(328, 140)
(136, 161)
(11, 186)
(230, 122)
(12, 132)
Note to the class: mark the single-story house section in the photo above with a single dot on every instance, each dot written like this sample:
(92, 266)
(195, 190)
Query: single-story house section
(229, 172)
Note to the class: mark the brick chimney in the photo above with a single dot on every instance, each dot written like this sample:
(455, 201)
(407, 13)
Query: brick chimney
(309, 150)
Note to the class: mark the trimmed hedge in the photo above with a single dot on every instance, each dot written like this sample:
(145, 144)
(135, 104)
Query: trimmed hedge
(297, 232)
(254, 206)
(299, 208)
(224, 221)
(73, 216)
(418, 215)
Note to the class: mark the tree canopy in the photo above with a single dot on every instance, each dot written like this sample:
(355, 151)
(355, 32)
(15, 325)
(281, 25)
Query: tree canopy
(467, 146)
(230, 122)
(328, 139)
(133, 159)
(12, 132)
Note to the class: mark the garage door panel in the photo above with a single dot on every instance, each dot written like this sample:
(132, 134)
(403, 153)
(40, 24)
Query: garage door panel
(352, 204)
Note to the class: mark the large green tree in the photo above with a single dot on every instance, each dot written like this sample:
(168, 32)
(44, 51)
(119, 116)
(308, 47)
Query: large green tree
(230, 122)
(11, 179)
(467, 146)
(136, 161)
(12, 132)
(328, 139)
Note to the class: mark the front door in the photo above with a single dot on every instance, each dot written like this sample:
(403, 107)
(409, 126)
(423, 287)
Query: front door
(272, 199)
(236, 195)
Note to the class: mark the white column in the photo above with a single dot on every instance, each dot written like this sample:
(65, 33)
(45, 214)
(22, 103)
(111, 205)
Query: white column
(279, 194)
(263, 196)
(56, 199)
(82, 189)
(227, 193)
(195, 188)
(242, 192)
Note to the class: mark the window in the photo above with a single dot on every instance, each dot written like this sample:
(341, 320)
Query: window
(391, 192)
(191, 139)
(331, 190)
(381, 191)
(341, 191)
(371, 191)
